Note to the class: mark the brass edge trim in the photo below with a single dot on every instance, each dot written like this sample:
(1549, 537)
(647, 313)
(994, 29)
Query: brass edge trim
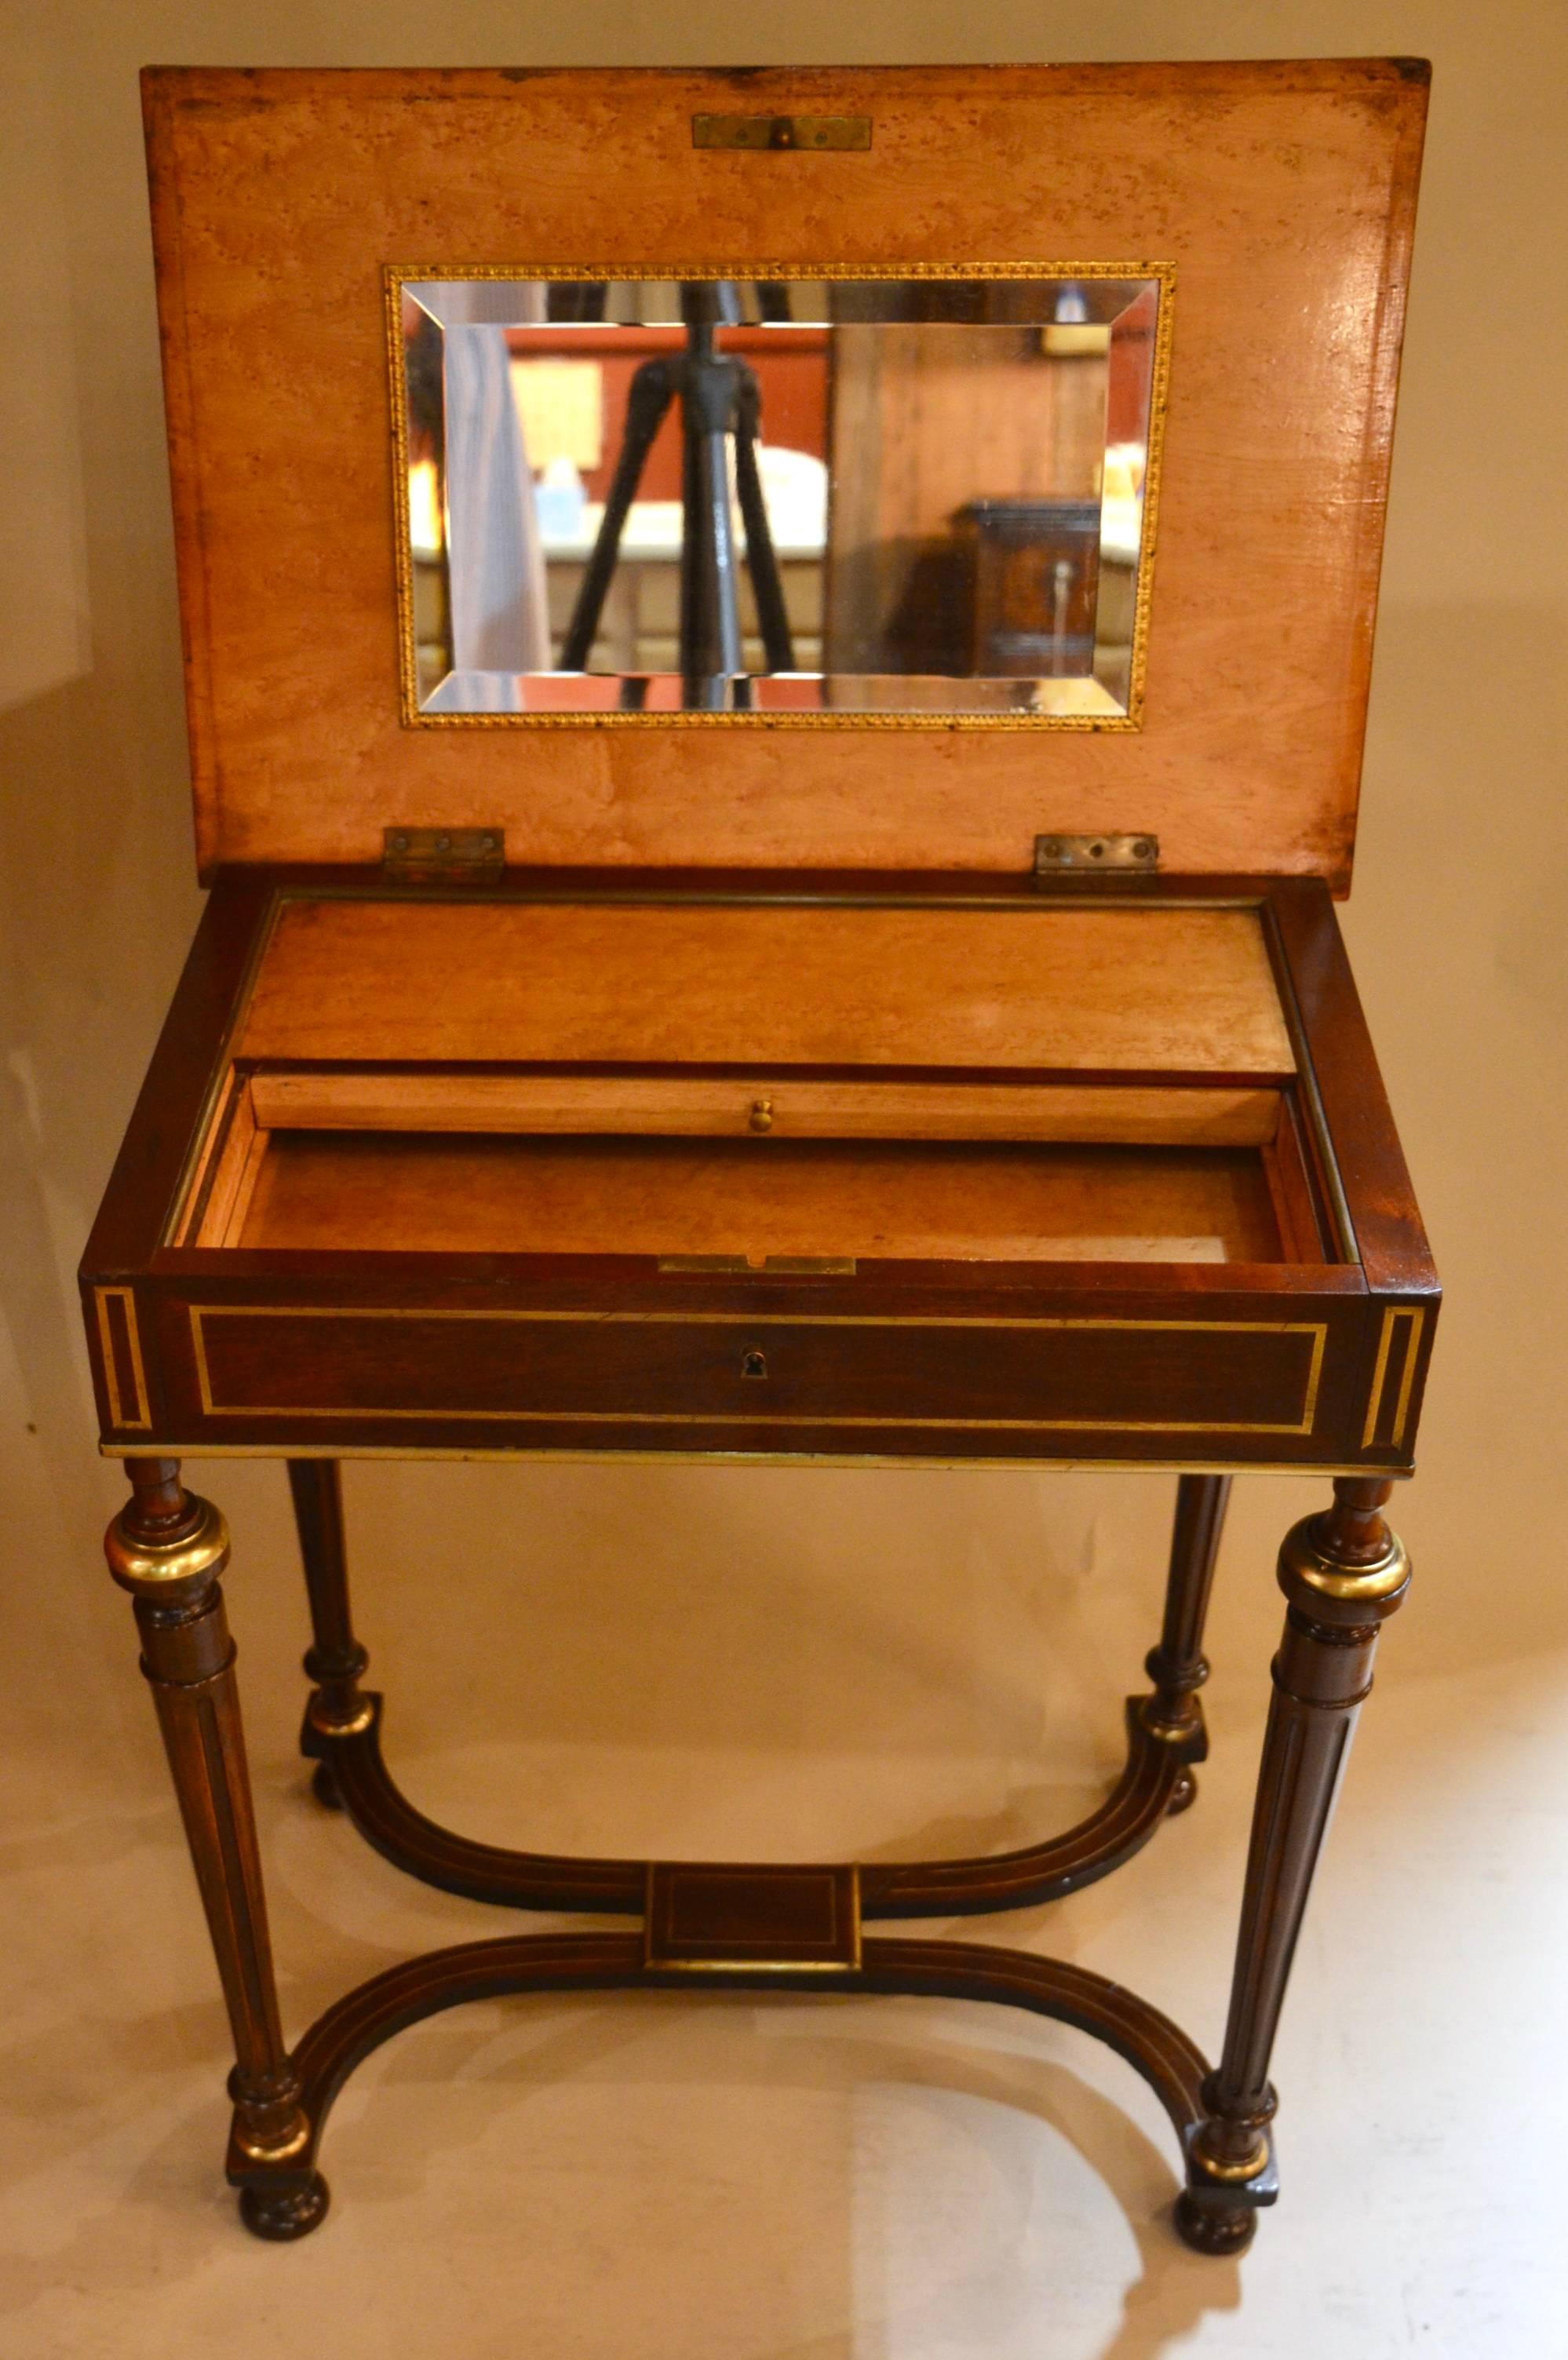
(198, 1313)
(395, 275)
(572, 272)
(142, 1422)
(457, 1453)
(1153, 461)
(402, 530)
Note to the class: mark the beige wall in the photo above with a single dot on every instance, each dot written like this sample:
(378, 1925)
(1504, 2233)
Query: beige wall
(1456, 928)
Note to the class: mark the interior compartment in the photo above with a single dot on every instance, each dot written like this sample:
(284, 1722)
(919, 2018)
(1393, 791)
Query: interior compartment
(740, 1084)
(806, 1200)
(716, 1172)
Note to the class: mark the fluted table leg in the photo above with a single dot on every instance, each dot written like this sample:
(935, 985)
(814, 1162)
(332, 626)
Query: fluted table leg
(1343, 1573)
(168, 1548)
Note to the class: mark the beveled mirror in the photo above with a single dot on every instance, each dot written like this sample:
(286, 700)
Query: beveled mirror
(797, 498)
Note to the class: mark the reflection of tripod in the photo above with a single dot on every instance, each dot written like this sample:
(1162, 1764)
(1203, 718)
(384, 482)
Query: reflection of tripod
(719, 399)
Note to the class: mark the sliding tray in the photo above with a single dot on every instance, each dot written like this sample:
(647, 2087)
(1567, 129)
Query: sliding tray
(870, 1170)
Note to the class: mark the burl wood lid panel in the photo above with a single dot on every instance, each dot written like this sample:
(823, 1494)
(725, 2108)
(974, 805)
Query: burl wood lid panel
(1282, 195)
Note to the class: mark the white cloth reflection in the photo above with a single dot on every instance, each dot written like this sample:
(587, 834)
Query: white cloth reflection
(500, 620)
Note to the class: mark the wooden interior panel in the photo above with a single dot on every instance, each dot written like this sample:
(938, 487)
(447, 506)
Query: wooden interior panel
(219, 1186)
(1282, 193)
(1295, 1206)
(1135, 990)
(354, 1192)
(437, 1098)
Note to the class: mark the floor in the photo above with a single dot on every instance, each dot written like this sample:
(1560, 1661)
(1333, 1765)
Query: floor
(795, 1663)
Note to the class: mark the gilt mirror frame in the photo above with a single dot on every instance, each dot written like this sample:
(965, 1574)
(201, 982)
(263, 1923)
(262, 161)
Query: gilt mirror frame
(396, 276)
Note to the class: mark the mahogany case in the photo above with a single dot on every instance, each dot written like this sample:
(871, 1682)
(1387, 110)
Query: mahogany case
(765, 1102)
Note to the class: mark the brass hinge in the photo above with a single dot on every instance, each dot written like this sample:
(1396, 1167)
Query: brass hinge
(1100, 856)
(443, 856)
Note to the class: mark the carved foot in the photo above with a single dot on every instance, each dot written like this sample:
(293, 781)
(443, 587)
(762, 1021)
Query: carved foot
(1213, 2228)
(290, 2209)
(325, 1788)
(1183, 1794)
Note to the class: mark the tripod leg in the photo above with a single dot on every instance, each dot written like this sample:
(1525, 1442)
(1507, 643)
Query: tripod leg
(652, 391)
(761, 557)
(709, 610)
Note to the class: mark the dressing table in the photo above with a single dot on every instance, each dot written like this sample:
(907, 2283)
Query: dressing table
(891, 1063)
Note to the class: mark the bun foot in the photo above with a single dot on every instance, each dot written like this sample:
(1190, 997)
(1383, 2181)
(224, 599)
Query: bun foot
(291, 2209)
(1214, 2228)
(324, 1787)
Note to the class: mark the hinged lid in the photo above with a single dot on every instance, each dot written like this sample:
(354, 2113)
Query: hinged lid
(1271, 205)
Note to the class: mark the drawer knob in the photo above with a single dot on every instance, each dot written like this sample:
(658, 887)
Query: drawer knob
(761, 1114)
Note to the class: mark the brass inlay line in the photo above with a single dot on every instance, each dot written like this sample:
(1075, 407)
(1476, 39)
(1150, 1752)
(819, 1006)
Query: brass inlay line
(143, 1418)
(1402, 1407)
(1317, 1330)
(396, 276)
(1416, 1314)
(1370, 1428)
